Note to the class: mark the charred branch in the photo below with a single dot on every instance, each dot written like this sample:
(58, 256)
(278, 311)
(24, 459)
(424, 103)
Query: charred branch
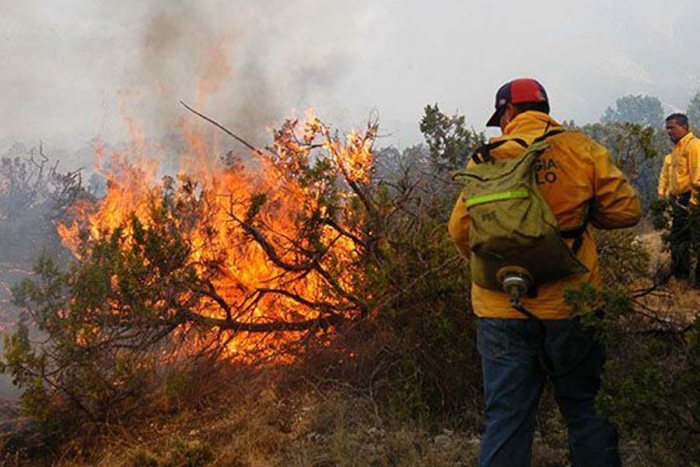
(345, 232)
(269, 249)
(303, 267)
(323, 306)
(224, 129)
(324, 322)
(218, 299)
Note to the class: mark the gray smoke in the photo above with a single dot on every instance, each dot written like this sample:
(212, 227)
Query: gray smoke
(246, 65)
(80, 69)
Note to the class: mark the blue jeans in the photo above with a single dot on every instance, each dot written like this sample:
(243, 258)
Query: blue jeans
(513, 381)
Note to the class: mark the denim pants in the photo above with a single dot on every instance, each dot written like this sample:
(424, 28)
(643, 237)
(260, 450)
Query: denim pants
(513, 381)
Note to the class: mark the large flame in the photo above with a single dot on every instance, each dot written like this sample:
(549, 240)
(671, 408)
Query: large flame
(250, 225)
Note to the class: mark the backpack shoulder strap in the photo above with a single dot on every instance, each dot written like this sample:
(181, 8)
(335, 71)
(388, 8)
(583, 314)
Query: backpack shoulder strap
(483, 153)
(577, 232)
(549, 133)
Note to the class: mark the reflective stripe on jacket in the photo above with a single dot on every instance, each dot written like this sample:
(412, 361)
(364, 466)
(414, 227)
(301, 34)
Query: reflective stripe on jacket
(574, 173)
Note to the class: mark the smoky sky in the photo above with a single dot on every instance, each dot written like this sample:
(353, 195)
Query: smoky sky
(78, 70)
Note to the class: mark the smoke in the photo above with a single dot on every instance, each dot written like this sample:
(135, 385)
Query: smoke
(79, 70)
(72, 70)
(248, 66)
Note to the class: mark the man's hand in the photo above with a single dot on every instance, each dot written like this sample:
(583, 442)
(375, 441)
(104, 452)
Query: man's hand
(694, 204)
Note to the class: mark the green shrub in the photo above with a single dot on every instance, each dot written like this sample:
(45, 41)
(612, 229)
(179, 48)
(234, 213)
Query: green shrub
(189, 454)
(651, 384)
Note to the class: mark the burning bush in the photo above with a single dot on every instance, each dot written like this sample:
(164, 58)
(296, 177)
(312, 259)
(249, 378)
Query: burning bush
(234, 264)
(250, 262)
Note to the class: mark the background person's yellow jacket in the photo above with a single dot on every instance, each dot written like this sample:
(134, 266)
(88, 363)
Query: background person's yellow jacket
(685, 166)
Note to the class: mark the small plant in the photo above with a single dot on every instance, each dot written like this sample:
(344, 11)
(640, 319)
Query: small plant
(189, 454)
(143, 458)
(660, 214)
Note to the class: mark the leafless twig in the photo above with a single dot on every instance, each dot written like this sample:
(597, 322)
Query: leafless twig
(224, 129)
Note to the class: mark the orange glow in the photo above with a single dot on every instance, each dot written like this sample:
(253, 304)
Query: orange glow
(257, 280)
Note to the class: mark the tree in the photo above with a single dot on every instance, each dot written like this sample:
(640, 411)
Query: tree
(172, 277)
(449, 141)
(694, 111)
(635, 149)
(642, 110)
(33, 194)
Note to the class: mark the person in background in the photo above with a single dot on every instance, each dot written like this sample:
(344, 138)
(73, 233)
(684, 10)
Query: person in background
(664, 176)
(575, 173)
(684, 192)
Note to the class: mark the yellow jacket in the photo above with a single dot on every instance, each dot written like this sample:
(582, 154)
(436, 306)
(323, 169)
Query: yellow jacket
(571, 173)
(685, 166)
(664, 177)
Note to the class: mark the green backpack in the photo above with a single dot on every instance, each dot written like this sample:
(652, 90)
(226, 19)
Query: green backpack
(513, 232)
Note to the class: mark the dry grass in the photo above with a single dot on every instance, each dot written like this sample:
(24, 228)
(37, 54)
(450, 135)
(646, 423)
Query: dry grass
(265, 425)
(270, 420)
(273, 419)
(673, 300)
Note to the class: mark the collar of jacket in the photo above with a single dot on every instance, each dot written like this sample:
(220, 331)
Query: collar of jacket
(528, 125)
(685, 140)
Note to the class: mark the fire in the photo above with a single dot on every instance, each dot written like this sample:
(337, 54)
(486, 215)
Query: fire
(274, 258)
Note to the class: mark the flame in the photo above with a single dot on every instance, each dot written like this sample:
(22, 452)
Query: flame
(245, 237)
(246, 223)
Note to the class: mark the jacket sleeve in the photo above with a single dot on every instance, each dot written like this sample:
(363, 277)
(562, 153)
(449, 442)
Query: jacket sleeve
(615, 201)
(664, 177)
(693, 152)
(458, 226)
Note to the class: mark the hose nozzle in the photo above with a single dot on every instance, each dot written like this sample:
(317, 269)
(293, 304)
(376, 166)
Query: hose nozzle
(515, 281)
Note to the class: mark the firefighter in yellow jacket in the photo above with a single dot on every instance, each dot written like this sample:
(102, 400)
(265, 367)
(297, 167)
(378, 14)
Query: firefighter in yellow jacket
(684, 194)
(583, 187)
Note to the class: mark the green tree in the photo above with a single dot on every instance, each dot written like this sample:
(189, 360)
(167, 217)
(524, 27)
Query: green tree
(694, 111)
(432, 368)
(448, 139)
(635, 148)
(643, 110)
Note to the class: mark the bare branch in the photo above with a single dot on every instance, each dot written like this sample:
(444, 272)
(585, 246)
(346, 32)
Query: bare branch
(224, 129)
(273, 326)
